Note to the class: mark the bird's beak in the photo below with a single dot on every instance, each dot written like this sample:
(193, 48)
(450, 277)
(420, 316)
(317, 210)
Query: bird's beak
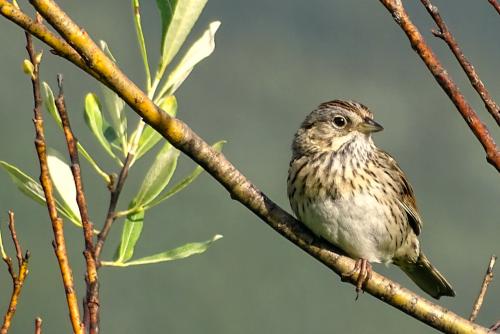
(369, 126)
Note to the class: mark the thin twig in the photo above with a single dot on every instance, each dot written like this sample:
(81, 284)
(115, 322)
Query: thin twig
(38, 325)
(59, 242)
(19, 251)
(445, 34)
(488, 277)
(417, 41)
(495, 5)
(240, 188)
(114, 196)
(91, 278)
(495, 326)
(17, 279)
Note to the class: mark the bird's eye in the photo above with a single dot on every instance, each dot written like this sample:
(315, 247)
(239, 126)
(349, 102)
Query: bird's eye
(339, 122)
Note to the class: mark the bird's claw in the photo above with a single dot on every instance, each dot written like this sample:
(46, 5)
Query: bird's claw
(363, 269)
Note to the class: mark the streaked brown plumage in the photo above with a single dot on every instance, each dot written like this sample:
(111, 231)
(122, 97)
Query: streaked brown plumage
(354, 195)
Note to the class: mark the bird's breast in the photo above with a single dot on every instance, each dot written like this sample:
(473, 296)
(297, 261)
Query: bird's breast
(358, 225)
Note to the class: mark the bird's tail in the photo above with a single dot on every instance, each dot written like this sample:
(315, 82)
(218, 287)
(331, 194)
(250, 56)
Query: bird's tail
(428, 278)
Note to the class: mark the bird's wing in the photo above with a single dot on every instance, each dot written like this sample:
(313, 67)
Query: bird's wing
(406, 198)
(408, 203)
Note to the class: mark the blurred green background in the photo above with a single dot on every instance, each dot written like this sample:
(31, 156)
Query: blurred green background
(274, 62)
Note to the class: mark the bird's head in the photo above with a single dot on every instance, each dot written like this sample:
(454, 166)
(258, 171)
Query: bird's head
(332, 125)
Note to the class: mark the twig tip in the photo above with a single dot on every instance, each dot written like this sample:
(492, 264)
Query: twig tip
(60, 82)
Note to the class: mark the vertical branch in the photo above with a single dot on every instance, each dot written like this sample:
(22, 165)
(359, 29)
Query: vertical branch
(59, 242)
(417, 41)
(91, 279)
(488, 277)
(38, 325)
(12, 228)
(115, 195)
(17, 279)
(445, 34)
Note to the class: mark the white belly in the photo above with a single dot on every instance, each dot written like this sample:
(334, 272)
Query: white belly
(356, 225)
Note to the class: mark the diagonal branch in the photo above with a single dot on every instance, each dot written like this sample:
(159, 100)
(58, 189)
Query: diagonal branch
(495, 5)
(395, 7)
(488, 277)
(37, 29)
(116, 190)
(474, 79)
(59, 242)
(495, 326)
(240, 188)
(91, 278)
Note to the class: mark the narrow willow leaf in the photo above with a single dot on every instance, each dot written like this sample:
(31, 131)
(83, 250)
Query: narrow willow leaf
(28, 186)
(107, 51)
(184, 182)
(131, 232)
(24, 183)
(61, 176)
(178, 17)
(158, 175)
(169, 105)
(150, 137)
(101, 129)
(93, 163)
(50, 105)
(200, 50)
(115, 106)
(178, 253)
(166, 9)
(2, 249)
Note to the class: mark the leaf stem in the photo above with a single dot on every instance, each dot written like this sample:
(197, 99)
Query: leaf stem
(142, 42)
(119, 214)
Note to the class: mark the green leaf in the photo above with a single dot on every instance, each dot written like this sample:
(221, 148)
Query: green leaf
(2, 249)
(150, 137)
(24, 183)
(106, 50)
(178, 17)
(116, 109)
(200, 50)
(101, 129)
(184, 182)
(131, 232)
(178, 253)
(34, 190)
(117, 135)
(158, 175)
(166, 8)
(50, 105)
(63, 181)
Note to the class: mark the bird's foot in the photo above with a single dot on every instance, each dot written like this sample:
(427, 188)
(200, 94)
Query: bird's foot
(363, 269)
